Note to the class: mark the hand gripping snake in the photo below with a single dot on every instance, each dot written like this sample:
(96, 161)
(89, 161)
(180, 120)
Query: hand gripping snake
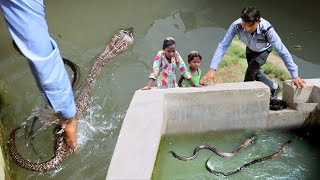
(120, 42)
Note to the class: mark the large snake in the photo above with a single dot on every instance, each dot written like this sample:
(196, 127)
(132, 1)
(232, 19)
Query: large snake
(75, 82)
(274, 155)
(119, 43)
(247, 143)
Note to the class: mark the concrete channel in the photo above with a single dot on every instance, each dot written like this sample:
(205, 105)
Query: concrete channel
(225, 106)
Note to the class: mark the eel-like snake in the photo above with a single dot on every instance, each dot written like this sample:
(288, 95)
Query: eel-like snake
(76, 72)
(274, 155)
(60, 152)
(247, 143)
(120, 42)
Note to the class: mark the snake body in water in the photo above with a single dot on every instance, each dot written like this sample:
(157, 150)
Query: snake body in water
(274, 155)
(120, 42)
(247, 143)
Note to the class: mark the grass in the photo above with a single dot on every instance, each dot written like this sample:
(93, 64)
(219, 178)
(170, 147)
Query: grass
(233, 66)
(275, 53)
(274, 72)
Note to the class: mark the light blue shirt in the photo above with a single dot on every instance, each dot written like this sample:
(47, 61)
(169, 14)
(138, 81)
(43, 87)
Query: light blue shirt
(257, 42)
(28, 28)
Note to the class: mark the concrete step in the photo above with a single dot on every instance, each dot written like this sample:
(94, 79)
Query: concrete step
(286, 118)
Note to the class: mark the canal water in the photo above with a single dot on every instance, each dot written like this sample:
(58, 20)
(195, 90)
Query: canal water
(82, 29)
(300, 159)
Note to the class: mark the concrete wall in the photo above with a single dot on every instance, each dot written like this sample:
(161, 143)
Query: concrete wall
(150, 114)
(223, 106)
(2, 159)
(2, 166)
(139, 138)
(304, 100)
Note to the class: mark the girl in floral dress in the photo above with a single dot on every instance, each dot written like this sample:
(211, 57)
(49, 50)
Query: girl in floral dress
(164, 67)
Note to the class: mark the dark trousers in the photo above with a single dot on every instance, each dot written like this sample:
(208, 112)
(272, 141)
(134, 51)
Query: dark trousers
(255, 61)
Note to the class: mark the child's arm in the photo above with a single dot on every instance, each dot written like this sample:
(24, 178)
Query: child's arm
(149, 84)
(182, 66)
(180, 81)
(193, 83)
(155, 71)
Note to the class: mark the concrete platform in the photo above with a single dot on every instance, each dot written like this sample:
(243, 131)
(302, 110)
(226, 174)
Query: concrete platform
(286, 118)
(305, 100)
(244, 105)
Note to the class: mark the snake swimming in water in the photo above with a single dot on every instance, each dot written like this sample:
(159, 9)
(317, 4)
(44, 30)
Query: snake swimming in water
(119, 43)
(274, 155)
(75, 81)
(247, 143)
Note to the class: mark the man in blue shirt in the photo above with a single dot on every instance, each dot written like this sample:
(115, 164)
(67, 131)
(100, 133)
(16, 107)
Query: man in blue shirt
(259, 37)
(28, 28)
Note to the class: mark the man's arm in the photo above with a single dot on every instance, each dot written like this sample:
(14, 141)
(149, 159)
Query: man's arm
(283, 52)
(27, 26)
(219, 53)
(223, 46)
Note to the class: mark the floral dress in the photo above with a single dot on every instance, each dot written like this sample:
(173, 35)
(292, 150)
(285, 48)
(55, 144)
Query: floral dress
(165, 73)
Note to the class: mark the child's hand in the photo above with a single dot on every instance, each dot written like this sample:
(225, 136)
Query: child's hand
(146, 88)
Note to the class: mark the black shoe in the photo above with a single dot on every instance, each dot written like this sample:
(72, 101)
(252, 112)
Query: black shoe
(275, 92)
(277, 104)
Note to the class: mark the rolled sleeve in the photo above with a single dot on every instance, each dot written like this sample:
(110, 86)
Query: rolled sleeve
(28, 28)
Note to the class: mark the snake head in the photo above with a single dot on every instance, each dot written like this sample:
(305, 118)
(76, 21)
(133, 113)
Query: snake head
(250, 141)
(129, 31)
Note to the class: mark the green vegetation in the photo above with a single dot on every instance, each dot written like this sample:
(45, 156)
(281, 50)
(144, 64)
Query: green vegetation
(234, 65)
(274, 72)
(274, 52)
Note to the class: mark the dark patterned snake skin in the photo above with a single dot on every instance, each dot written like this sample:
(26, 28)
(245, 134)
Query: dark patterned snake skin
(120, 42)
(76, 72)
(274, 155)
(247, 143)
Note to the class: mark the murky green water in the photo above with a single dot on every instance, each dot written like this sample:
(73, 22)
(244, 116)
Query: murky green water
(82, 29)
(300, 159)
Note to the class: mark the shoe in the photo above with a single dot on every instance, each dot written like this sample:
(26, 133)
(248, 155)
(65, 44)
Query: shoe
(275, 92)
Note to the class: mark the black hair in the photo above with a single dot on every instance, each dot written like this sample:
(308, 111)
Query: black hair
(194, 54)
(168, 42)
(250, 14)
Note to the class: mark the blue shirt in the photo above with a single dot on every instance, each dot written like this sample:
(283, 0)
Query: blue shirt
(28, 28)
(257, 42)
